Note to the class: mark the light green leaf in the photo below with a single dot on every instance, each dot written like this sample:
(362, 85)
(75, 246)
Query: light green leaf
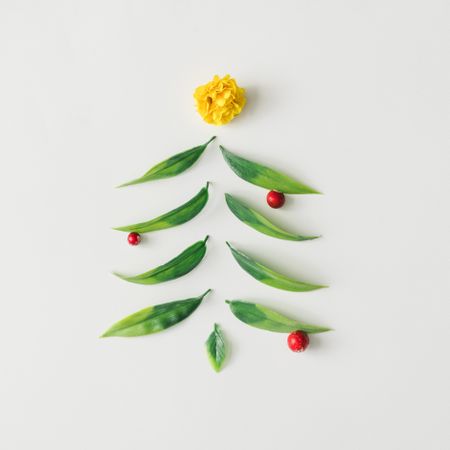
(216, 348)
(264, 176)
(268, 276)
(175, 268)
(260, 223)
(175, 165)
(259, 316)
(177, 216)
(155, 318)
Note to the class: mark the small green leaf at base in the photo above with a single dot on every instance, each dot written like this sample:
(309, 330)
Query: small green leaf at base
(216, 348)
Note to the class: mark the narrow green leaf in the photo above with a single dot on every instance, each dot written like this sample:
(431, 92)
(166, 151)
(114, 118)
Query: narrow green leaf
(259, 316)
(177, 216)
(172, 166)
(260, 223)
(182, 264)
(264, 176)
(155, 318)
(268, 276)
(216, 348)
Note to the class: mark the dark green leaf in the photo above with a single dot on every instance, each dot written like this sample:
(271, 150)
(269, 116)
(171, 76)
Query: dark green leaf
(259, 316)
(216, 348)
(173, 166)
(260, 223)
(264, 176)
(175, 268)
(268, 276)
(177, 216)
(155, 318)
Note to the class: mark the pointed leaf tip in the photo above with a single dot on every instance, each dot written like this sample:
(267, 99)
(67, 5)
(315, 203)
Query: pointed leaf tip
(206, 293)
(118, 275)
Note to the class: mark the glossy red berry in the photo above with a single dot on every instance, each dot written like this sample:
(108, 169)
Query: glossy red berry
(298, 341)
(134, 238)
(275, 199)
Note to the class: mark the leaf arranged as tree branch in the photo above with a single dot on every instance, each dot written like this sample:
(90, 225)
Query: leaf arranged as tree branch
(155, 318)
(268, 276)
(175, 268)
(172, 166)
(260, 223)
(259, 316)
(216, 348)
(264, 176)
(177, 216)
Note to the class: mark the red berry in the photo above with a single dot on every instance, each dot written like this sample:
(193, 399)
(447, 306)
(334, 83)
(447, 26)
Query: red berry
(134, 238)
(275, 199)
(298, 341)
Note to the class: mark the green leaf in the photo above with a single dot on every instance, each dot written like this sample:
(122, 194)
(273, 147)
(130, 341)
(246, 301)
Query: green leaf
(268, 276)
(177, 216)
(264, 176)
(260, 223)
(216, 348)
(175, 268)
(259, 316)
(173, 166)
(155, 318)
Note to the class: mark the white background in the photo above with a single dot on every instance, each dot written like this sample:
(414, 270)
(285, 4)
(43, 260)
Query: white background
(348, 96)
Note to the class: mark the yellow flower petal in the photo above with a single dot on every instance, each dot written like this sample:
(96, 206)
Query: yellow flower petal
(220, 100)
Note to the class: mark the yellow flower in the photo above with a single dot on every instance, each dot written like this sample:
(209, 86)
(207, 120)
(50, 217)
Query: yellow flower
(220, 100)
